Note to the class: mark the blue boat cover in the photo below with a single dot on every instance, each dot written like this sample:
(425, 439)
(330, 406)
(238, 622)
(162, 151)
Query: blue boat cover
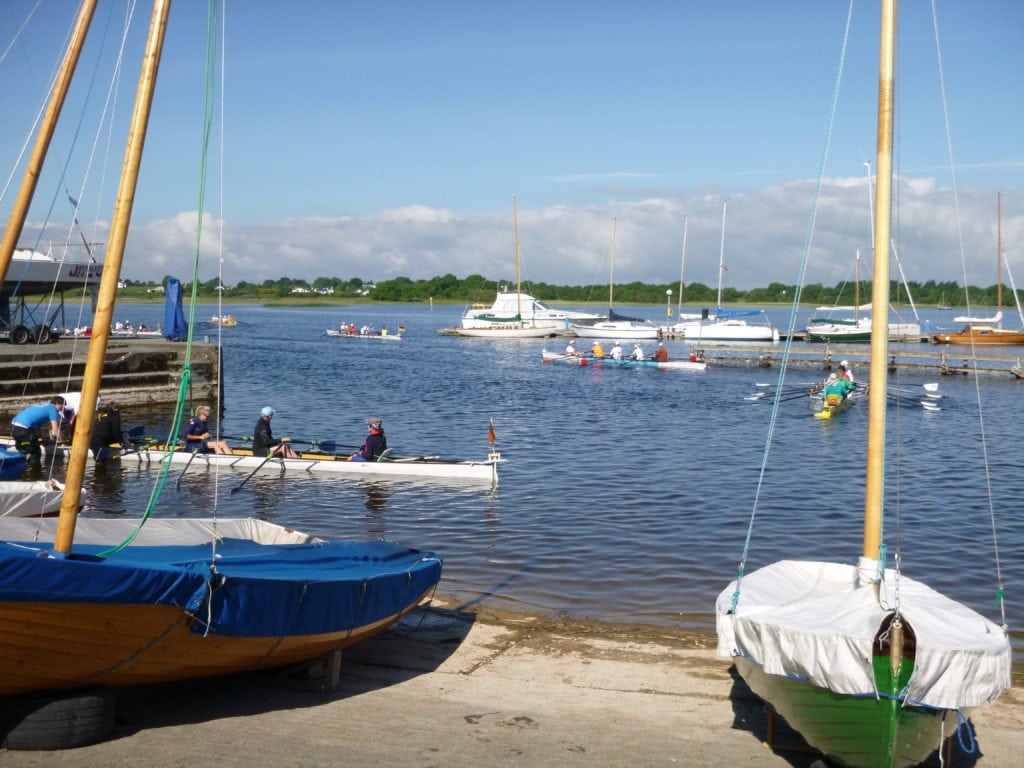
(175, 327)
(739, 312)
(614, 316)
(12, 464)
(254, 590)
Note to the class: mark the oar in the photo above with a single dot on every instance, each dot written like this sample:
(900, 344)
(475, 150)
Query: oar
(238, 487)
(177, 483)
(413, 458)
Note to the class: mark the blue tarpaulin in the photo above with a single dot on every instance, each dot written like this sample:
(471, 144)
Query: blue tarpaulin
(175, 327)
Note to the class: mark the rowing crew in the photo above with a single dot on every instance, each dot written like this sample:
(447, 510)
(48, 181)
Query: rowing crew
(615, 353)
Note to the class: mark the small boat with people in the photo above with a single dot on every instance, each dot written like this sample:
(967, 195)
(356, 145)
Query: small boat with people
(368, 331)
(223, 320)
(692, 364)
(321, 457)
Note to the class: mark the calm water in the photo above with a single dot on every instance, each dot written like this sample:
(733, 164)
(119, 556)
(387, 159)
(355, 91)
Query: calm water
(627, 493)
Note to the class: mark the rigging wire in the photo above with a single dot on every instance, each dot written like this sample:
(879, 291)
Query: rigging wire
(967, 298)
(787, 348)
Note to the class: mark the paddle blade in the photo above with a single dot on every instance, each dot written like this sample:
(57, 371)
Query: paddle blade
(823, 414)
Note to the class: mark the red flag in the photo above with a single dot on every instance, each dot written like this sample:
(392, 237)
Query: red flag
(491, 434)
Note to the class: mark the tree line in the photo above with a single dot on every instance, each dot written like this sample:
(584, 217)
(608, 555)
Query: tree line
(478, 289)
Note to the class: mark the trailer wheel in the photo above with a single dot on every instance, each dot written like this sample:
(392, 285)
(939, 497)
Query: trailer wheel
(57, 723)
(20, 335)
(41, 334)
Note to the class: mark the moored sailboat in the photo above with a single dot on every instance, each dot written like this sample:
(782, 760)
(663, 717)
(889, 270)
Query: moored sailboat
(871, 667)
(615, 325)
(90, 603)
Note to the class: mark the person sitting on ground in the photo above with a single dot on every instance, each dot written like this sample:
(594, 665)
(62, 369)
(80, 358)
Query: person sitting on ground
(638, 352)
(25, 426)
(596, 350)
(846, 372)
(616, 353)
(263, 441)
(198, 437)
(835, 385)
(375, 443)
(660, 354)
(570, 348)
(106, 431)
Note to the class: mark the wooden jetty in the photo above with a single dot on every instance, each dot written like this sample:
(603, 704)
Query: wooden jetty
(137, 371)
(934, 360)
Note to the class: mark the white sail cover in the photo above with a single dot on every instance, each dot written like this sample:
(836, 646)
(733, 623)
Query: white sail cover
(30, 497)
(811, 620)
(997, 317)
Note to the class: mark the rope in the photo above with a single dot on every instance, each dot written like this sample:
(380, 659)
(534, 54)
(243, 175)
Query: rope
(184, 386)
(1000, 587)
(812, 216)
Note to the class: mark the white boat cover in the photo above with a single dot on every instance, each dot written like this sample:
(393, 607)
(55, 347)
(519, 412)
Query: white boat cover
(28, 498)
(998, 316)
(156, 531)
(810, 620)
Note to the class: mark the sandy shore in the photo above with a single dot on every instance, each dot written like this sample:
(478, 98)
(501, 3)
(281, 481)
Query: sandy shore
(448, 688)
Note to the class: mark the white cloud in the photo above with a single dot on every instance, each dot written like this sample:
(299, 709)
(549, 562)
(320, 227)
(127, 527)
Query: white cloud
(766, 230)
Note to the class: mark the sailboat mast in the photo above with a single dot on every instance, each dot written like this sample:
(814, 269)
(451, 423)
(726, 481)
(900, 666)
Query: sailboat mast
(19, 211)
(999, 251)
(721, 255)
(875, 484)
(611, 277)
(682, 267)
(515, 232)
(111, 273)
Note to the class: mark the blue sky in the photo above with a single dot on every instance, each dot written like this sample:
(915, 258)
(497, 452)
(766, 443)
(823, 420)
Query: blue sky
(385, 139)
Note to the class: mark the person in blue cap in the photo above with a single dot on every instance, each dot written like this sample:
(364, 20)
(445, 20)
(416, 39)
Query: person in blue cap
(263, 441)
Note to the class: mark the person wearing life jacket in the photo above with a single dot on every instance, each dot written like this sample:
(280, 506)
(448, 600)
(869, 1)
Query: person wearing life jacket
(596, 350)
(375, 443)
(845, 372)
(836, 385)
(660, 354)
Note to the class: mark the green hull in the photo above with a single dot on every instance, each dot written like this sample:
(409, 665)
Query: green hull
(858, 732)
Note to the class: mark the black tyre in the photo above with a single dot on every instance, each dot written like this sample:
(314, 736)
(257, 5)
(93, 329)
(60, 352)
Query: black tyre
(20, 335)
(41, 334)
(57, 723)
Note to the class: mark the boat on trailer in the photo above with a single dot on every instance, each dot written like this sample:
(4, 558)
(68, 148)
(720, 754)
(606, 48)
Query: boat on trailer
(871, 667)
(89, 603)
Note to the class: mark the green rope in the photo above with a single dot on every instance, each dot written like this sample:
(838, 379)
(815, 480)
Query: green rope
(184, 386)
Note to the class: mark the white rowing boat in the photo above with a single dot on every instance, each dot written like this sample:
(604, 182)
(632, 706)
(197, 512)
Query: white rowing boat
(394, 467)
(583, 361)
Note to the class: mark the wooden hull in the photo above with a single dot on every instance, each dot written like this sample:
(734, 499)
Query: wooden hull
(189, 598)
(862, 731)
(980, 336)
(52, 646)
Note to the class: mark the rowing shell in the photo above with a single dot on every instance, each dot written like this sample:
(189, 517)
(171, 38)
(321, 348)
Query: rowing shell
(672, 365)
(394, 467)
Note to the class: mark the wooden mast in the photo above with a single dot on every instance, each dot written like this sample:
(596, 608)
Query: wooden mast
(111, 273)
(19, 211)
(875, 485)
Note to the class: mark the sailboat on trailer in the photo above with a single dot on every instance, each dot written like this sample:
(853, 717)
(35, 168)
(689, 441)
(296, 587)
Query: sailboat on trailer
(100, 603)
(871, 667)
